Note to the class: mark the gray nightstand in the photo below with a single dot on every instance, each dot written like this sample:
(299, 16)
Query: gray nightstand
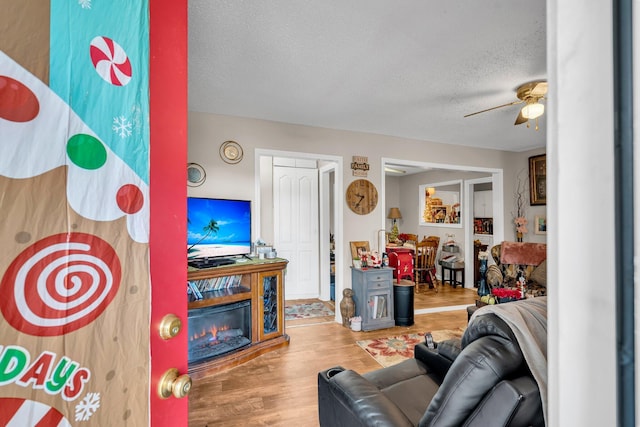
(373, 297)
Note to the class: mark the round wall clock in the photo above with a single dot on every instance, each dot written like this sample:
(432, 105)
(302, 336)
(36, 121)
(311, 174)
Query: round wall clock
(362, 196)
(195, 175)
(231, 152)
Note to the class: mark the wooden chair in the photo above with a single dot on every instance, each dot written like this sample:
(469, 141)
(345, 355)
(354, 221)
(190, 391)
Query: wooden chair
(424, 265)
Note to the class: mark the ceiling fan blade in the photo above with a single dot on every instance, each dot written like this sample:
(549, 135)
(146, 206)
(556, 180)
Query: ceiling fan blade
(539, 90)
(494, 108)
(520, 119)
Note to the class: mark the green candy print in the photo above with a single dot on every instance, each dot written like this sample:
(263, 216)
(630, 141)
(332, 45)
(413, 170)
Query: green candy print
(86, 152)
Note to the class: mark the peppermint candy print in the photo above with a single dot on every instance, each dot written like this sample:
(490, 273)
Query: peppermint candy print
(16, 411)
(60, 284)
(110, 61)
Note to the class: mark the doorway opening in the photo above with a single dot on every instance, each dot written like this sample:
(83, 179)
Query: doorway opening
(329, 209)
(403, 178)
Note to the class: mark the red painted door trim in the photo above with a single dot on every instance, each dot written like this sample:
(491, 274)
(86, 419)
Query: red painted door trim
(168, 193)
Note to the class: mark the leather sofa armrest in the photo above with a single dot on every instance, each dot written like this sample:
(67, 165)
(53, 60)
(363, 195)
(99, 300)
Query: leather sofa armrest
(515, 401)
(438, 360)
(348, 399)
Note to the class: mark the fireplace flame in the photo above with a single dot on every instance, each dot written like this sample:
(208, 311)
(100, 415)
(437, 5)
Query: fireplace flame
(213, 331)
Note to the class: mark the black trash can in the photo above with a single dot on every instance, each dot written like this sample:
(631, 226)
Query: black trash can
(403, 304)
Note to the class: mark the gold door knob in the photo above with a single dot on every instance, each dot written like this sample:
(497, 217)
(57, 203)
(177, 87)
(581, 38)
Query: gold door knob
(170, 326)
(174, 383)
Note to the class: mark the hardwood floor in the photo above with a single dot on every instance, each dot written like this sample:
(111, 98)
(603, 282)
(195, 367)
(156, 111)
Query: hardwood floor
(280, 388)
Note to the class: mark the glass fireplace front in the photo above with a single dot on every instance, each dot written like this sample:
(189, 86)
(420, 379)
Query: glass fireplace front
(218, 330)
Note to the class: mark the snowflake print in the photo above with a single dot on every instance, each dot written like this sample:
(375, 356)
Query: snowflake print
(86, 4)
(87, 407)
(121, 126)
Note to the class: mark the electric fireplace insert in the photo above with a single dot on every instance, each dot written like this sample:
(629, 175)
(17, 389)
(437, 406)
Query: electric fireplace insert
(218, 330)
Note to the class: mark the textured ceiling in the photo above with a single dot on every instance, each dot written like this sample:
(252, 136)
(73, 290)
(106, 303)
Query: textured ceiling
(407, 68)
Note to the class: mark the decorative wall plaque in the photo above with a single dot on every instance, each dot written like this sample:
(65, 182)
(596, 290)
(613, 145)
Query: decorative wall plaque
(360, 165)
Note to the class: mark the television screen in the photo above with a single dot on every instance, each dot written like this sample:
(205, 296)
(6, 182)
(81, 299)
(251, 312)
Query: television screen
(218, 227)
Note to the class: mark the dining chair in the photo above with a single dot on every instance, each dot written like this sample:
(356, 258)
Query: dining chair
(424, 265)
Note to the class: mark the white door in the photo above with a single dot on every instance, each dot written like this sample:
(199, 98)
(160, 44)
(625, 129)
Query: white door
(295, 194)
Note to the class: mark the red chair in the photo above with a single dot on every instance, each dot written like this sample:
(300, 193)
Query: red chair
(402, 262)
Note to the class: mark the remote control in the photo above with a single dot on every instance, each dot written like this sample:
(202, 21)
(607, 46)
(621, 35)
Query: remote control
(428, 339)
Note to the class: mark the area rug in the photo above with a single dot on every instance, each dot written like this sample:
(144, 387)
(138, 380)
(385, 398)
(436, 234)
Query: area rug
(392, 350)
(306, 311)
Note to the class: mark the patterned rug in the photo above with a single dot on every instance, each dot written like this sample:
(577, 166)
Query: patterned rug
(306, 311)
(392, 350)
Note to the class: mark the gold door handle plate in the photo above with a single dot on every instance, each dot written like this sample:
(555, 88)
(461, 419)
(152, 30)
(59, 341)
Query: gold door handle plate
(172, 383)
(170, 326)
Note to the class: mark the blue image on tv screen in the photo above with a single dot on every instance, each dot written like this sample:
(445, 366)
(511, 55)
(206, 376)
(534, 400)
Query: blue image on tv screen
(218, 227)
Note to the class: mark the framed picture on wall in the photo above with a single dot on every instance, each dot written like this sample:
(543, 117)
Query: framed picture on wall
(540, 225)
(538, 179)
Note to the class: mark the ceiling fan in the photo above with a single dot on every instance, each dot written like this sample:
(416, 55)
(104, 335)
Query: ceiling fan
(530, 94)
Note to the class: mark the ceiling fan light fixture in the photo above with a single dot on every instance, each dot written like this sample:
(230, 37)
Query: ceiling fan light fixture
(532, 110)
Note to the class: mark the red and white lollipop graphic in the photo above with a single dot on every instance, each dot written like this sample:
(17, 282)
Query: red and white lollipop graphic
(110, 61)
(60, 284)
(16, 411)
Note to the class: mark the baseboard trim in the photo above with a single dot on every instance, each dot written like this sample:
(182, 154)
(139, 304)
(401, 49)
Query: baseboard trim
(440, 309)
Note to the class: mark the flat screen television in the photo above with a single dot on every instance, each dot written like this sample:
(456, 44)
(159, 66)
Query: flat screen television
(218, 227)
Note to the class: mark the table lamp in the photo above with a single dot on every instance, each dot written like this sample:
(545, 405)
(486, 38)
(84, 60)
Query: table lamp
(394, 214)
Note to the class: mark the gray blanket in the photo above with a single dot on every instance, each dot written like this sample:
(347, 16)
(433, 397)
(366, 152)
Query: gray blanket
(528, 321)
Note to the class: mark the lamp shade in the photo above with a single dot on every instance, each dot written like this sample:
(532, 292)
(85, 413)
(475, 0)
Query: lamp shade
(532, 110)
(394, 213)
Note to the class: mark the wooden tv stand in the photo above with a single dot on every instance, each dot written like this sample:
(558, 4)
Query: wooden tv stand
(253, 280)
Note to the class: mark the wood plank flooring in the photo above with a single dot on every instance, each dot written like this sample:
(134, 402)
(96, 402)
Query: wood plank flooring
(280, 388)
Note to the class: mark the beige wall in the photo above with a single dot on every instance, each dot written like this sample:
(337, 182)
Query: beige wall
(519, 167)
(208, 131)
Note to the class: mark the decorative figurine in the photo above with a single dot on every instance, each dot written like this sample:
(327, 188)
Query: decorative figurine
(376, 261)
(347, 306)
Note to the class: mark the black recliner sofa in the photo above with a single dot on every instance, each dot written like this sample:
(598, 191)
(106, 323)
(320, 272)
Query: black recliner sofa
(480, 380)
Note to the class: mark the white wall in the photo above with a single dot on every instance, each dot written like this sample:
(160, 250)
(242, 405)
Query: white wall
(581, 327)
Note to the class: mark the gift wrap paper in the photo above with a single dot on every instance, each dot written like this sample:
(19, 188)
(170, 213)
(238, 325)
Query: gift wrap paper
(74, 202)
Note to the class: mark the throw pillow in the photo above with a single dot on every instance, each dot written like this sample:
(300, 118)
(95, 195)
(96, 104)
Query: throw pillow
(539, 274)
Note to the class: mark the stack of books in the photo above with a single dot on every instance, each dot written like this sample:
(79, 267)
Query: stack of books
(197, 287)
(378, 305)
